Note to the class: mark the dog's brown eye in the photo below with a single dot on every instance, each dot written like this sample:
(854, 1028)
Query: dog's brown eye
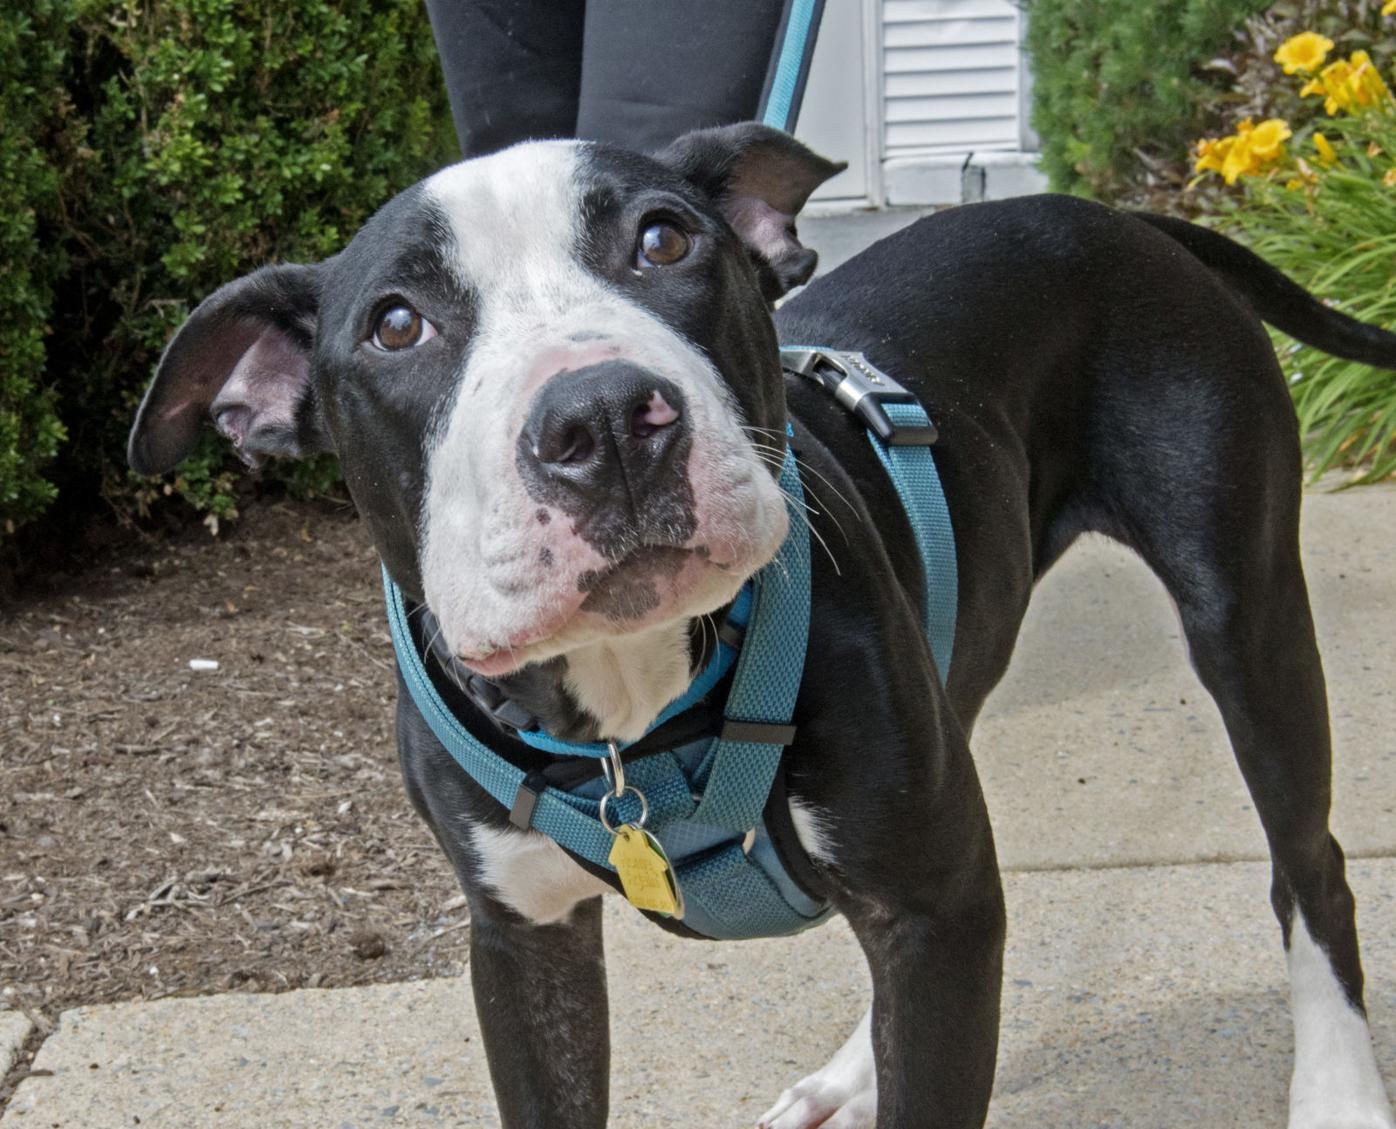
(660, 245)
(401, 327)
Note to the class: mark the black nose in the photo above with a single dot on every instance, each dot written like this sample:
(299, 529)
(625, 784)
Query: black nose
(613, 430)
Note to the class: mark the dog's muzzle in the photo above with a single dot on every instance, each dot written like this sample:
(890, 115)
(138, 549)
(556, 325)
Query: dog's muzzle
(608, 445)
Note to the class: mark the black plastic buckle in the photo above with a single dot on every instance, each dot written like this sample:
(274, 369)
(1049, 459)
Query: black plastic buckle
(862, 388)
(506, 713)
(526, 799)
(757, 732)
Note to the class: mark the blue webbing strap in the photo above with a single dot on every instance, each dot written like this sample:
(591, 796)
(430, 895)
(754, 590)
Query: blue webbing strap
(736, 895)
(913, 472)
(782, 106)
(911, 467)
(739, 617)
(768, 677)
(555, 812)
(573, 821)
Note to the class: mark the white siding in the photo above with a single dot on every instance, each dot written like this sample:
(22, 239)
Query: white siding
(951, 76)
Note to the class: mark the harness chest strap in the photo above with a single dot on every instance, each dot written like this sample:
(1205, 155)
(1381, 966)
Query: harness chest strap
(707, 800)
(723, 887)
(902, 434)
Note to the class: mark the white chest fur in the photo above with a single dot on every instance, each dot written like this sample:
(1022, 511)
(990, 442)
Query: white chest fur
(537, 879)
(531, 874)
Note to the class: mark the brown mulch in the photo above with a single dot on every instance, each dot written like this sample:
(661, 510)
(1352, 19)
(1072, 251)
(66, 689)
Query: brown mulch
(171, 832)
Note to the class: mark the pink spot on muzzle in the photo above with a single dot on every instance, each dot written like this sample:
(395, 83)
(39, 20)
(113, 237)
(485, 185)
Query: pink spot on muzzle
(653, 415)
(658, 412)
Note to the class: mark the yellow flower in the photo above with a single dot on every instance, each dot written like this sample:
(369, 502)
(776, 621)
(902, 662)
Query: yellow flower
(1306, 51)
(1390, 178)
(1348, 84)
(1248, 152)
(1266, 141)
(1332, 83)
(1211, 151)
(1366, 84)
(1237, 163)
(1327, 155)
(1389, 8)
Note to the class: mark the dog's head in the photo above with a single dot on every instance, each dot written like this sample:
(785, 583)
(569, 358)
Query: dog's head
(549, 374)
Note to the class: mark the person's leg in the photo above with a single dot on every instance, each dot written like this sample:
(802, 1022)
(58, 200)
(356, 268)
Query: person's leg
(654, 69)
(512, 68)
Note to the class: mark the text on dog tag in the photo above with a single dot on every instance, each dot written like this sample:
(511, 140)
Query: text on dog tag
(646, 875)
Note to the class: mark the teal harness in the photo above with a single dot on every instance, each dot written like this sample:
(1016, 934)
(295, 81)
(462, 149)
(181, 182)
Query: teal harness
(716, 805)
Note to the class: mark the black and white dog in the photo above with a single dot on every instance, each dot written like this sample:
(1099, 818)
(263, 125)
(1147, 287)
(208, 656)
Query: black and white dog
(551, 376)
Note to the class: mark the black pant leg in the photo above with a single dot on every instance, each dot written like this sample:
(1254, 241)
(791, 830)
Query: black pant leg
(653, 69)
(513, 68)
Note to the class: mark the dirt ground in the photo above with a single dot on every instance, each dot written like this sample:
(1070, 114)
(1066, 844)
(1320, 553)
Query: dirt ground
(166, 831)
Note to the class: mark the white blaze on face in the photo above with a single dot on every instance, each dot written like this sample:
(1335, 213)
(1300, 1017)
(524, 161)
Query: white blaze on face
(501, 572)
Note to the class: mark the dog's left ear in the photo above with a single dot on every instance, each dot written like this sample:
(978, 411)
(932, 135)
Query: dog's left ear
(242, 357)
(760, 178)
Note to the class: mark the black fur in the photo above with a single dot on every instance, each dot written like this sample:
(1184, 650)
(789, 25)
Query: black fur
(1089, 370)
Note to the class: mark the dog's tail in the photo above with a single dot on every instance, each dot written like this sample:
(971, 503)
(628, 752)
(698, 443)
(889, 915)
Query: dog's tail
(1279, 300)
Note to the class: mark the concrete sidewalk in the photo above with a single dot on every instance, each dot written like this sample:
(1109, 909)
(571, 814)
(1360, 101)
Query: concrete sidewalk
(1147, 999)
(1145, 983)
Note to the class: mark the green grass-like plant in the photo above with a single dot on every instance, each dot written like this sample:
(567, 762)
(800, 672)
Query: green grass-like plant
(1332, 227)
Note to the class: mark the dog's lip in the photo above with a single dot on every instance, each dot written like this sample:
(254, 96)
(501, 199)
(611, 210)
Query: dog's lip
(514, 654)
(495, 664)
(517, 651)
(645, 558)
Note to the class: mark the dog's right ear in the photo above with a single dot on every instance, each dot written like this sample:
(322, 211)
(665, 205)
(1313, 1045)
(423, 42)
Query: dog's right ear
(760, 178)
(243, 357)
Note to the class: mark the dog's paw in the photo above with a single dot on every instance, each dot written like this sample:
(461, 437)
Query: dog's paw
(810, 1104)
(843, 1095)
(1341, 1101)
(1336, 1082)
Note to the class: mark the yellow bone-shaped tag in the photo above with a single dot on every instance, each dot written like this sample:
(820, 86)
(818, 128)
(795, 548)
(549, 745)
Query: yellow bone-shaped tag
(646, 875)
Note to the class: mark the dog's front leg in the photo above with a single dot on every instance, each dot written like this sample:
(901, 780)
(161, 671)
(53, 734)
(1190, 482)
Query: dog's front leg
(921, 890)
(540, 992)
(936, 975)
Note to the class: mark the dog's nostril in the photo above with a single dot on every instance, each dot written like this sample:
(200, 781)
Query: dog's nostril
(576, 446)
(650, 416)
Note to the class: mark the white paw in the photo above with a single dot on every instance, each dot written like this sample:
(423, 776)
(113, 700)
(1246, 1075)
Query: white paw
(1357, 1119)
(1336, 1083)
(843, 1095)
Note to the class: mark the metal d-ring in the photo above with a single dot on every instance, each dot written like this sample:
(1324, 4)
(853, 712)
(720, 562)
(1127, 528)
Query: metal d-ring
(614, 771)
(644, 809)
(613, 768)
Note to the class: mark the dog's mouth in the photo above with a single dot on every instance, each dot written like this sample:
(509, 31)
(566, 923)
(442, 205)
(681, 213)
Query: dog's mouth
(630, 588)
(638, 590)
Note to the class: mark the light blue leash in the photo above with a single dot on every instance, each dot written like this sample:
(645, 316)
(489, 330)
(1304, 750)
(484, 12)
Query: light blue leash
(782, 106)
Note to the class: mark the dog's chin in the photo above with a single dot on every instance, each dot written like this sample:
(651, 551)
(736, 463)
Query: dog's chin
(644, 590)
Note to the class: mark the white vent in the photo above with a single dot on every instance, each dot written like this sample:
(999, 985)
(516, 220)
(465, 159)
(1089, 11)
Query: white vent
(951, 73)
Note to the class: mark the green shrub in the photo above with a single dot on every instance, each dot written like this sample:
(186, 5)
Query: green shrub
(1120, 86)
(184, 142)
(31, 58)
